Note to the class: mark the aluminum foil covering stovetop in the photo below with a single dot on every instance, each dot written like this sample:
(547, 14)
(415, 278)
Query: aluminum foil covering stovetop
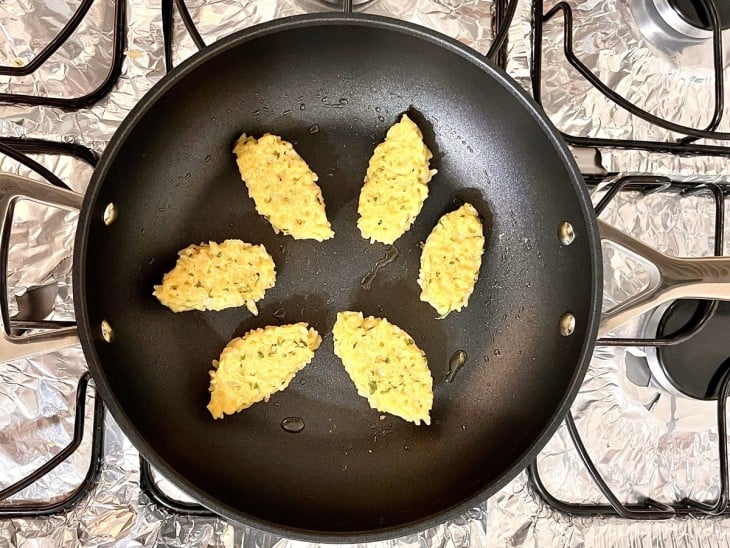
(37, 395)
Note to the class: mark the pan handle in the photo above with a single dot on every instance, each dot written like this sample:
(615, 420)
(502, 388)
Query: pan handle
(671, 278)
(12, 189)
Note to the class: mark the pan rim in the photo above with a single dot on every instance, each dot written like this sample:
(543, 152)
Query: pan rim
(119, 138)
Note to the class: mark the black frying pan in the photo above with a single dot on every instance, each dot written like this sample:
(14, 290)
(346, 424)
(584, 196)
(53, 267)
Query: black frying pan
(333, 85)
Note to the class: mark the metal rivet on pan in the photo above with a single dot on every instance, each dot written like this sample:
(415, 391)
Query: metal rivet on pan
(566, 233)
(106, 331)
(567, 324)
(110, 213)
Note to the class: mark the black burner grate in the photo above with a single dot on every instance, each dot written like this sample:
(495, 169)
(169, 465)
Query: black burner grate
(149, 486)
(685, 145)
(33, 508)
(66, 103)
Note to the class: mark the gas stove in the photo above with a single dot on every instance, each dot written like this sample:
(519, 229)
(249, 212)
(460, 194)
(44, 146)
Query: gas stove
(635, 86)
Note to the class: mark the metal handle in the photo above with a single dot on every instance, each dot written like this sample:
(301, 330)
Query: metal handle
(12, 189)
(671, 278)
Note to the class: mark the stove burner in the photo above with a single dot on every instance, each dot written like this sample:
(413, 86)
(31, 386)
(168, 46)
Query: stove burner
(694, 368)
(695, 13)
(674, 24)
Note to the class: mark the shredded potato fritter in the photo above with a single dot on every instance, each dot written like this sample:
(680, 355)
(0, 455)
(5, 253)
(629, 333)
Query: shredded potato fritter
(253, 367)
(450, 261)
(283, 187)
(215, 276)
(386, 366)
(396, 184)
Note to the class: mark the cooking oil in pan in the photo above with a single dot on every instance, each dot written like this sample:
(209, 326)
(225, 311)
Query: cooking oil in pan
(293, 425)
(456, 362)
(391, 255)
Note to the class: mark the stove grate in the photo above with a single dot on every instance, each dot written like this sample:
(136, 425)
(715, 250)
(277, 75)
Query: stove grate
(686, 145)
(72, 103)
(47, 508)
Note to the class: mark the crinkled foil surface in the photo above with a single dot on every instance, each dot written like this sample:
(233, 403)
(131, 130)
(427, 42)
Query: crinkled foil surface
(666, 450)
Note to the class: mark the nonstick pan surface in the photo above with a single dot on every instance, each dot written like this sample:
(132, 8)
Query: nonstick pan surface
(333, 85)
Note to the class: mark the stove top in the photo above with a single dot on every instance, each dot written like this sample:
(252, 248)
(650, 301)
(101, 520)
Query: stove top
(637, 89)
